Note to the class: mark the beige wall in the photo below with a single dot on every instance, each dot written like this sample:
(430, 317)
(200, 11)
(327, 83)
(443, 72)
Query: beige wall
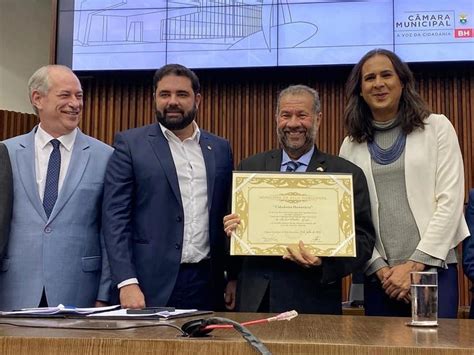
(25, 29)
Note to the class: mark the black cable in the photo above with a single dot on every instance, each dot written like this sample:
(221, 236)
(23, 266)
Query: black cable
(246, 334)
(96, 328)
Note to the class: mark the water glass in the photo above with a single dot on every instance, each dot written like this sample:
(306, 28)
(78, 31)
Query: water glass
(424, 298)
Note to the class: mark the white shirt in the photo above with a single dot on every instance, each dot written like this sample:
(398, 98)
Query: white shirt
(43, 149)
(192, 181)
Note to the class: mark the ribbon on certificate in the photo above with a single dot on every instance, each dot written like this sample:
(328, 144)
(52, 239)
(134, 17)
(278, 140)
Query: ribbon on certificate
(243, 244)
(342, 245)
(245, 182)
(234, 235)
(341, 185)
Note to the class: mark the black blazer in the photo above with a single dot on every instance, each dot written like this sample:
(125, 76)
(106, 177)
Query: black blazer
(316, 290)
(6, 197)
(143, 218)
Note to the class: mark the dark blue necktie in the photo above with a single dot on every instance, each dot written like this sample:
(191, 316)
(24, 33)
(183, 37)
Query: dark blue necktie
(52, 178)
(291, 166)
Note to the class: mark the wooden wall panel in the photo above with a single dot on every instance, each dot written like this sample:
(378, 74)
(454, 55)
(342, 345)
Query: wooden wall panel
(15, 123)
(239, 105)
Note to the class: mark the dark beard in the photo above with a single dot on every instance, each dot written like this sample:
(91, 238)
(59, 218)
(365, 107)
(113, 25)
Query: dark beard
(176, 124)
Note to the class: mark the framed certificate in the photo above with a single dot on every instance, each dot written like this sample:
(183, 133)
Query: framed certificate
(280, 209)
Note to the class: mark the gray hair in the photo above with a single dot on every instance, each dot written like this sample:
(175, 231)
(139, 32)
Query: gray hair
(297, 90)
(40, 81)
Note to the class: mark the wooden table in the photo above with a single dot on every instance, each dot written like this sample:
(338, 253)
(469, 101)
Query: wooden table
(306, 334)
(463, 311)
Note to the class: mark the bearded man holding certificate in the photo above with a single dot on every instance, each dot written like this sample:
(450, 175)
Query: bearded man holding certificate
(299, 279)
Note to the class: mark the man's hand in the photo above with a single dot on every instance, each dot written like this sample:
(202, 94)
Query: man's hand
(300, 255)
(100, 304)
(230, 293)
(132, 297)
(397, 285)
(231, 222)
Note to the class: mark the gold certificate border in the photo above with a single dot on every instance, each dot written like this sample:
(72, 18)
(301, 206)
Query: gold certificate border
(243, 182)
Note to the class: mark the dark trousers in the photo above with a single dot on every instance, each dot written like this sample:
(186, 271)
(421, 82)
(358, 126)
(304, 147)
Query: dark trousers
(43, 301)
(272, 303)
(193, 287)
(378, 303)
(265, 304)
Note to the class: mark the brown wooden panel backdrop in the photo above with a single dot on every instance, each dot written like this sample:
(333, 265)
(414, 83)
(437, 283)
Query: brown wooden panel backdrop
(239, 105)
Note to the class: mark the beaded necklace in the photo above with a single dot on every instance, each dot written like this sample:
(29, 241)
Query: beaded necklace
(387, 156)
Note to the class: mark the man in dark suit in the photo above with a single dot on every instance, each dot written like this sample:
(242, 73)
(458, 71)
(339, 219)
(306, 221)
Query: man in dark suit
(166, 190)
(468, 246)
(55, 252)
(299, 280)
(6, 197)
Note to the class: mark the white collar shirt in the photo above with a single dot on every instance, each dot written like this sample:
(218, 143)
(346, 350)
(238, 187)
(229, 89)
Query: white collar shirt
(43, 149)
(192, 179)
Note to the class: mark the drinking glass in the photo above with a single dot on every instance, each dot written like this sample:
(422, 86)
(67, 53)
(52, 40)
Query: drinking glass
(424, 298)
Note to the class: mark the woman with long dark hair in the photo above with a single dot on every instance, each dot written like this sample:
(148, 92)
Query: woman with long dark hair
(414, 169)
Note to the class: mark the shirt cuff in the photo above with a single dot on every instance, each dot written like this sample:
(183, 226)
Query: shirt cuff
(375, 266)
(132, 281)
(421, 257)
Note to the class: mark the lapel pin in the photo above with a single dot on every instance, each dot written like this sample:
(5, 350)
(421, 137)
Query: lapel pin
(320, 168)
(209, 147)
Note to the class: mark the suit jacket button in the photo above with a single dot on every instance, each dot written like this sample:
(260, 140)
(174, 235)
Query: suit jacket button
(48, 230)
(177, 246)
(178, 219)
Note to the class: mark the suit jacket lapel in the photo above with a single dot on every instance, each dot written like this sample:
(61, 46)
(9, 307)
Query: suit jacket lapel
(273, 161)
(77, 166)
(25, 157)
(209, 160)
(162, 152)
(317, 162)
